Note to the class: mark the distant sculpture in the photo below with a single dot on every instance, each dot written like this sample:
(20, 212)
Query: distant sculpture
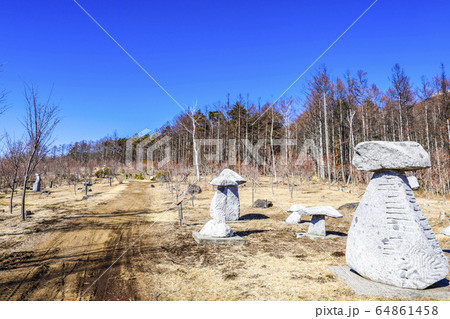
(445, 231)
(37, 184)
(318, 213)
(219, 210)
(390, 240)
(227, 191)
(296, 211)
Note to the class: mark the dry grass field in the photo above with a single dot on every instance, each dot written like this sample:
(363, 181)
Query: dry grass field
(64, 249)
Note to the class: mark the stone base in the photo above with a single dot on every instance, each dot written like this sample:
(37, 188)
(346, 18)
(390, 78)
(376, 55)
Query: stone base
(228, 221)
(201, 239)
(311, 236)
(301, 223)
(363, 286)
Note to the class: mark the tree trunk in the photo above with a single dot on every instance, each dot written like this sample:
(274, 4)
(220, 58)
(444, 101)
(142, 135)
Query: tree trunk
(326, 140)
(22, 209)
(273, 152)
(13, 188)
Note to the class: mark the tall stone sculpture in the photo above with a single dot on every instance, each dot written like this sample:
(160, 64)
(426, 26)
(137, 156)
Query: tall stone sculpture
(390, 240)
(37, 184)
(229, 192)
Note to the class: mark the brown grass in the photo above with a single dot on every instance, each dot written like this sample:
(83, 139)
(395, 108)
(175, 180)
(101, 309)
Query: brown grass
(166, 263)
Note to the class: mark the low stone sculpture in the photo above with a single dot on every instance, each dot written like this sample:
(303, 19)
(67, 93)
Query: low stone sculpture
(390, 240)
(37, 184)
(296, 214)
(317, 225)
(445, 231)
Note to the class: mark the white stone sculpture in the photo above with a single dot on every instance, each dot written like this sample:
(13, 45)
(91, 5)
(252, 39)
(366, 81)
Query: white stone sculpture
(317, 225)
(37, 184)
(224, 205)
(296, 214)
(390, 240)
(227, 184)
(445, 231)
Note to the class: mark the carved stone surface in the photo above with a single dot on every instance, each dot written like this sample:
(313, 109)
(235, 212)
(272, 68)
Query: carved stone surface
(225, 204)
(380, 155)
(215, 228)
(390, 240)
(37, 184)
(218, 206)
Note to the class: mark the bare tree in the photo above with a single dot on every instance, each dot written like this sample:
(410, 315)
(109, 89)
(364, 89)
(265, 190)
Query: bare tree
(40, 121)
(13, 163)
(196, 159)
(3, 105)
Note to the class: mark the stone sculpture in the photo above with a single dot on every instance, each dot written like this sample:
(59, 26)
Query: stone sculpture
(227, 187)
(445, 231)
(390, 240)
(224, 205)
(37, 184)
(317, 225)
(296, 214)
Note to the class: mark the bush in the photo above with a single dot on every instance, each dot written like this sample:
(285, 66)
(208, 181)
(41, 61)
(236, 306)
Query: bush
(138, 176)
(105, 171)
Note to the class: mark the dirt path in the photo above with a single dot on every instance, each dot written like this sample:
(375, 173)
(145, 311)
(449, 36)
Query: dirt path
(65, 262)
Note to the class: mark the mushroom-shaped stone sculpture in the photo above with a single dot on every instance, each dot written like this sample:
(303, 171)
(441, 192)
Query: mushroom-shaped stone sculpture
(217, 227)
(445, 231)
(318, 213)
(390, 240)
(296, 211)
(216, 230)
(227, 187)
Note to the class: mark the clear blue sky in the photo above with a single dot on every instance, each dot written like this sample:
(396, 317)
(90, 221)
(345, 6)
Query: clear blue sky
(200, 51)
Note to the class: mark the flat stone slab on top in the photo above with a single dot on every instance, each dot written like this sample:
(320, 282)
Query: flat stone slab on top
(363, 286)
(201, 239)
(381, 155)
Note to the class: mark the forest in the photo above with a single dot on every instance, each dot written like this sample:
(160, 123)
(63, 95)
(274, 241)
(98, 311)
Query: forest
(295, 139)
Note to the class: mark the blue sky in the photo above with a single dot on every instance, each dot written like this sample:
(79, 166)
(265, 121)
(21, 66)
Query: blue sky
(199, 51)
